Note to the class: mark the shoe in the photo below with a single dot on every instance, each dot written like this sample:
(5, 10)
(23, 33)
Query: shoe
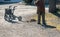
(45, 26)
(39, 23)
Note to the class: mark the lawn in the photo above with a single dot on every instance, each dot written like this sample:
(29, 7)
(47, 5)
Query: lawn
(51, 19)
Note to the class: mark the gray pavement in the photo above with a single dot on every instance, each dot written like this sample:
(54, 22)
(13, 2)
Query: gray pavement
(23, 28)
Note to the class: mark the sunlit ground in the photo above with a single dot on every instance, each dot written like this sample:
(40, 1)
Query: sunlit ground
(51, 20)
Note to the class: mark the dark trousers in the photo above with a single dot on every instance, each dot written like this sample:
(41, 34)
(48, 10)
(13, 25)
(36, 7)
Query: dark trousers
(41, 14)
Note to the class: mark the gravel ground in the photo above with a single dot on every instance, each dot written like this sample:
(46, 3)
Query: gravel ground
(24, 29)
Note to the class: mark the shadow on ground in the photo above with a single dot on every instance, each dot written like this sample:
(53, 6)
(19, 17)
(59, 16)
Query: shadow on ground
(48, 26)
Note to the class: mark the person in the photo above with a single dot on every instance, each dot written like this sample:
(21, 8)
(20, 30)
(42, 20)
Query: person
(40, 10)
(9, 13)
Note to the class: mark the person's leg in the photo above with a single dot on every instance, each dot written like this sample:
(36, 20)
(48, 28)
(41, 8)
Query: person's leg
(39, 19)
(43, 18)
(10, 17)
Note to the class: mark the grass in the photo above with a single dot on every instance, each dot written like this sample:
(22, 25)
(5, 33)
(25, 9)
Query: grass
(50, 20)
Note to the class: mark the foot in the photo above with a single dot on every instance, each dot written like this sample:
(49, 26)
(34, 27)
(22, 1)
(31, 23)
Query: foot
(39, 23)
(44, 26)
